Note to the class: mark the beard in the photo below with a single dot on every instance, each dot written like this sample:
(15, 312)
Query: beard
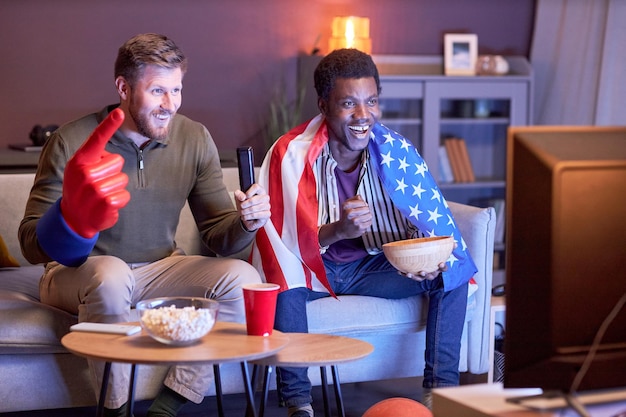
(142, 121)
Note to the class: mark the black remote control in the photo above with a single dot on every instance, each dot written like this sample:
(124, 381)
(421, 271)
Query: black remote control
(245, 163)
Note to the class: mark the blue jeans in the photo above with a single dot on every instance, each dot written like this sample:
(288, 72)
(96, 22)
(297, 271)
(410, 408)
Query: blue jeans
(375, 277)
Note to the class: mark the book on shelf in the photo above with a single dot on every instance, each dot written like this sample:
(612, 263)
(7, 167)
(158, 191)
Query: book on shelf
(465, 160)
(445, 169)
(459, 160)
(26, 147)
(454, 158)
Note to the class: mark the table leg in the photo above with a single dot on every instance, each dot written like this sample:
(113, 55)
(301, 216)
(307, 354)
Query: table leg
(266, 388)
(338, 396)
(251, 409)
(218, 390)
(103, 389)
(325, 391)
(130, 405)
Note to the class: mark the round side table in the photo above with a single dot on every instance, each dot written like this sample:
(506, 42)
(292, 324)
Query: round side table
(312, 349)
(226, 342)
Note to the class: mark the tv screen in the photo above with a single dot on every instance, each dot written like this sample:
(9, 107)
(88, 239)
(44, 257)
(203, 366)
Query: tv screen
(565, 258)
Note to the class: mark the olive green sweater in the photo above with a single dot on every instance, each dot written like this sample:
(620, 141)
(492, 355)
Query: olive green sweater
(162, 177)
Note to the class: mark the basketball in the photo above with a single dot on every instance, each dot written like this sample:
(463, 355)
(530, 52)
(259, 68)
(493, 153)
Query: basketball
(398, 407)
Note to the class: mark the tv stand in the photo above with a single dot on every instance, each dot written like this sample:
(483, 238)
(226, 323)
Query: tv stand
(492, 400)
(570, 399)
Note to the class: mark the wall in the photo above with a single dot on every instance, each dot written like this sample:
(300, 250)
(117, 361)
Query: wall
(57, 56)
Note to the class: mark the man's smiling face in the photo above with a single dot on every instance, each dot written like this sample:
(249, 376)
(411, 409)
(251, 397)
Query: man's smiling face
(154, 100)
(351, 111)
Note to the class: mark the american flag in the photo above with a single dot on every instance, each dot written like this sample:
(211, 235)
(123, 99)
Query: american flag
(286, 250)
(415, 193)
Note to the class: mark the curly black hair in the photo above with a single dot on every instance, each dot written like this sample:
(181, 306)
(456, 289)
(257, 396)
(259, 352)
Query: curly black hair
(343, 63)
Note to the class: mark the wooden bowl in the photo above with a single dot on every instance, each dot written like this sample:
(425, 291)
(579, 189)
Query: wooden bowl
(413, 256)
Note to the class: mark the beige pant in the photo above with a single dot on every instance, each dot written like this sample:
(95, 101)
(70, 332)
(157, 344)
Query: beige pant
(104, 288)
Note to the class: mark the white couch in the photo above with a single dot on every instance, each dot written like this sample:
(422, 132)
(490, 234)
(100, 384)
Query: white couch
(38, 373)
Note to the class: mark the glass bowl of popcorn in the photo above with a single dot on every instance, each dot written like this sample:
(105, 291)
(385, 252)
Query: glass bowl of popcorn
(177, 321)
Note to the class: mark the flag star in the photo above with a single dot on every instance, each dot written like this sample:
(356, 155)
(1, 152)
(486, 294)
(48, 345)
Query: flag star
(386, 159)
(452, 259)
(418, 190)
(431, 233)
(451, 221)
(434, 215)
(415, 211)
(403, 165)
(404, 144)
(420, 169)
(401, 185)
(389, 138)
(436, 195)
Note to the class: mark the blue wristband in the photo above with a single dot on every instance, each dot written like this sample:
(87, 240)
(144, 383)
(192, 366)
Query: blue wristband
(59, 241)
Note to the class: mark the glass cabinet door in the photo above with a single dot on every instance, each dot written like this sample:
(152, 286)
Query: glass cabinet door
(479, 113)
(401, 104)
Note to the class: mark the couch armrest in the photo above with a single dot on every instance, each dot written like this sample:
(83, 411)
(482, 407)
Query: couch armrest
(477, 225)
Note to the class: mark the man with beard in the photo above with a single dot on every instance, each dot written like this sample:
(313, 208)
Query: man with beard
(103, 212)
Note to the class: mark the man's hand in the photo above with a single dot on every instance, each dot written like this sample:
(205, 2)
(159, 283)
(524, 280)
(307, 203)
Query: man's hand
(253, 207)
(356, 218)
(423, 275)
(94, 186)
(426, 276)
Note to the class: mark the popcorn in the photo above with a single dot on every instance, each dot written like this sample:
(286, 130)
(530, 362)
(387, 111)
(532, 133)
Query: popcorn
(178, 324)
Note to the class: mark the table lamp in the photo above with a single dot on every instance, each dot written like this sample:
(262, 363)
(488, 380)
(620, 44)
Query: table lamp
(351, 32)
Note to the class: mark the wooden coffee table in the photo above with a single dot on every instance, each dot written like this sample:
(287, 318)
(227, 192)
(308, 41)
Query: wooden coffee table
(313, 349)
(227, 342)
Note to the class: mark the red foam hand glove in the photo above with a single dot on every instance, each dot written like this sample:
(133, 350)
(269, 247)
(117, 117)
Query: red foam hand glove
(94, 186)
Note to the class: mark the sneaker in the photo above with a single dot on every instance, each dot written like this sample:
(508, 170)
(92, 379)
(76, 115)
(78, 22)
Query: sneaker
(117, 412)
(427, 399)
(300, 411)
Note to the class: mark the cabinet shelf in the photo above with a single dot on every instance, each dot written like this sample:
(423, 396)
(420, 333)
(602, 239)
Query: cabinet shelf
(388, 121)
(476, 121)
(479, 183)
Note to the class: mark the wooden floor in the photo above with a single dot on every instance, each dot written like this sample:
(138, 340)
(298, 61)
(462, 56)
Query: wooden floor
(357, 399)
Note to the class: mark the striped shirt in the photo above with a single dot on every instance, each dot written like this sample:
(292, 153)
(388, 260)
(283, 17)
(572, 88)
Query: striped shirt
(388, 224)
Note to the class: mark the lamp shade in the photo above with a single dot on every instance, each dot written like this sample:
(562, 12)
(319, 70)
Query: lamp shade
(351, 32)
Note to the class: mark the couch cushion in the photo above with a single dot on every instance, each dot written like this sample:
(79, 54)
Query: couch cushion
(357, 315)
(26, 325)
(6, 259)
(15, 188)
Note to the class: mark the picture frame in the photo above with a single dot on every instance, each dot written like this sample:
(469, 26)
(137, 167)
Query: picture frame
(460, 53)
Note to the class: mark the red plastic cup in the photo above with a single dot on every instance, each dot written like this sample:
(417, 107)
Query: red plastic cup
(260, 303)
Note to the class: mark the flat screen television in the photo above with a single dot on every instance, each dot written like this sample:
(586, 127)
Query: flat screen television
(565, 258)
